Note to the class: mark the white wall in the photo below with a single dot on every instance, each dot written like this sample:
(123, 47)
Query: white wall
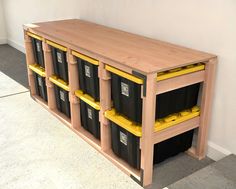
(3, 35)
(21, 12)
(207, 25)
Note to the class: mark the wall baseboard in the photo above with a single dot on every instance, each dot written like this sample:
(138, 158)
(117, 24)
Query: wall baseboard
(16, 45)
(216, 152)
(3, 41)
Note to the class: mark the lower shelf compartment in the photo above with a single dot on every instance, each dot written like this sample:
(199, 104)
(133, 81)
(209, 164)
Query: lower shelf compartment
(62, 117)
(40, 100)
(120, 163)
(88, 137)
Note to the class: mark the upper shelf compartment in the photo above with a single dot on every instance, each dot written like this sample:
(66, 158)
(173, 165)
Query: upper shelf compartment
(139, 53)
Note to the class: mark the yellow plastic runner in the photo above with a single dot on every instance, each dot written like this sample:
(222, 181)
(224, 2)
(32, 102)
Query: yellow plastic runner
(88, 99)
(160, 124)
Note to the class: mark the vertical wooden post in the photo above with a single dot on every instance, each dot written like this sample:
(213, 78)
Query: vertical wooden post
(105, 102)
(148, 117)
(29, 60)
(73, 85)
(206, 103)
(49, 72)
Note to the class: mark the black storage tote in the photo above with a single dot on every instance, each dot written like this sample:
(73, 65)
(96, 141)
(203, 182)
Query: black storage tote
(37, 49)
(126, 96)
(59, 59)
(62, 100)
(40, 86)
(90, 119)
(88, 75)
(126, 146)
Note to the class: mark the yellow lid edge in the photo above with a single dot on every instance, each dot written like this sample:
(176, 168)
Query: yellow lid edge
(56, 45)
(37, 69)
(124, 74)
(83, 97)
(59, 83)
(34, 36)
(181, 72)
(180, 119)
(86, 58)
(131, 128)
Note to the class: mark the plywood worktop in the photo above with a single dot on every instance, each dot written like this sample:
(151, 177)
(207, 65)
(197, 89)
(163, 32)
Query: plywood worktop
(134, 51)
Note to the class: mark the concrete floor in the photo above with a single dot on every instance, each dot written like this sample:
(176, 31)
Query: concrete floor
(38, 151)
(219, 175)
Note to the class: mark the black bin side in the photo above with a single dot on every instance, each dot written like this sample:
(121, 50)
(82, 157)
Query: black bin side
(192, 95)
(126, 96)
(125, 145)
(40, 86)
(172, 146)
(90, 119)
(38, 51)
(62, 100)
(60, 65)
(88, 78)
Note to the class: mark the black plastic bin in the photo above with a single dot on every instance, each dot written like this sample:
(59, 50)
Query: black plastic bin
(40, 86)
(60, 64)
(126, 93)
(38, 51)
(126, 146)
(88, 78)
(62, 100)
(90, 119)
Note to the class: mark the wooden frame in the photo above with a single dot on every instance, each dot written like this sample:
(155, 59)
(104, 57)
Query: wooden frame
(149, 137)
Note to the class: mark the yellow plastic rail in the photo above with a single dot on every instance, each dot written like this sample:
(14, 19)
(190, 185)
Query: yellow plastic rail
(59, 82)
(174, 119)
(160, 124)
(86, 58)
(124, 74)
(88, 99)
(38, 69)
(56, 45)
(124, 122)
(34, 36)
(180, 71)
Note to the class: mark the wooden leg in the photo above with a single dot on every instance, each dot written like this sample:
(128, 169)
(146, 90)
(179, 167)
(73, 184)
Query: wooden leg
(105, 101)
(74, 85)
(207, 95)
(29, 60)
(49, 72)
(148, 117)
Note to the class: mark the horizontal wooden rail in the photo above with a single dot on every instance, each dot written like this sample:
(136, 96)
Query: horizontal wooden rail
(180, 81)
(175, 130)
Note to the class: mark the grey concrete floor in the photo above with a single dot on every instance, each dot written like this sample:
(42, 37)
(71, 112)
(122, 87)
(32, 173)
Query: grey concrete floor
(12, 63)
(38, 151)
(219, 175)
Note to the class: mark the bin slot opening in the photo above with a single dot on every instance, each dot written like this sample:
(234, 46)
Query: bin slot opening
(34, 36)
(124, 74)
(54, 79)
(53, 44)
(180, 71)
(86, 58)
(38, 69)
(160, 124)
(88, 99)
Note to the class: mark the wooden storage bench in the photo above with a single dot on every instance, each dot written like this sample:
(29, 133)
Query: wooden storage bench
(158, 67)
